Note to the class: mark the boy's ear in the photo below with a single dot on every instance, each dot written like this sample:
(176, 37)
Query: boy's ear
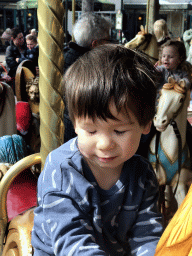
(147, 128)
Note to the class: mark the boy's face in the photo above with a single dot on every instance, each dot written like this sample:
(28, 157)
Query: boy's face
(108, 144)
(170, 58)
(30, 44)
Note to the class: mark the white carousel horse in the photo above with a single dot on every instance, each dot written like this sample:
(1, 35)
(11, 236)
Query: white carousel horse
(173, 102)
(146, 43)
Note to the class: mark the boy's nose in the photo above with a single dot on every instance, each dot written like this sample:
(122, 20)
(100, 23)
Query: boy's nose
(105, 143)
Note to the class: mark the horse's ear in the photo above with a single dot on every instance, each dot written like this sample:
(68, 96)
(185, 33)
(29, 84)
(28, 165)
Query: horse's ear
(170, 84)
(182, 83)
(142, 29)
(171, 80)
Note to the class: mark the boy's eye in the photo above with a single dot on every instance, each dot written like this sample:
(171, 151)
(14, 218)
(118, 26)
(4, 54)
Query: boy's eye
(119, 132)
(91, 132)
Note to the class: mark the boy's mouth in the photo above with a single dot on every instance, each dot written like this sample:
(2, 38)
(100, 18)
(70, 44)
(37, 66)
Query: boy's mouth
(106, 159)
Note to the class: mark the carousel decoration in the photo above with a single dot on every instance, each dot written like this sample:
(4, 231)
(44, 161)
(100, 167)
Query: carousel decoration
(169, 153)
(145, 42)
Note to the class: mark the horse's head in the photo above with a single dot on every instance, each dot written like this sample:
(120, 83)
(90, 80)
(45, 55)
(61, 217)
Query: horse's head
(138, 40)
(173, 99)
(146, 43)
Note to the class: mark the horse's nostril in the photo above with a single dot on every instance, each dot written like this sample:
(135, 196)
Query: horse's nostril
(164, 121)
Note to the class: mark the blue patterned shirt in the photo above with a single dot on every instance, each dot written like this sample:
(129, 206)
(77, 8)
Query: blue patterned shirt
(76, 217)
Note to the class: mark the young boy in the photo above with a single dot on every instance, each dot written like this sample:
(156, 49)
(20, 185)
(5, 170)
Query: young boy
(32, 52)
(96, 197)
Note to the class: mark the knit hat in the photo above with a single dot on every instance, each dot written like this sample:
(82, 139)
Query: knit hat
(12, 148)
(23, 117)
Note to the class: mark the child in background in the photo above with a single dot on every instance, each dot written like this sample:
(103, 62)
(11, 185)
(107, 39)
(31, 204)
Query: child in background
(96, 197)
(161, 31)
(32, 52)
(172, 62)
(34, 32)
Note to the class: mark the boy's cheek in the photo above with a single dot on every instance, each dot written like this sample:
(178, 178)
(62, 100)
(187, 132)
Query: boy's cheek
(84, 148)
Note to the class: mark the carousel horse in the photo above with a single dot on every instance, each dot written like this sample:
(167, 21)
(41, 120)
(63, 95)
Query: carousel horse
(145, 42)
(168, 152)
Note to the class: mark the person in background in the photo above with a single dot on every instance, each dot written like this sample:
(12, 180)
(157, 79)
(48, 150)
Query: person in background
(161, 31)
(89, 31)
(6, 36)
(172, 63)
(95, 196)
(32, 52)
(34, 32)
(15, 52)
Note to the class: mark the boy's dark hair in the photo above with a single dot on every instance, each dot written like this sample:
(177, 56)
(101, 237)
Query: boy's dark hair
(180, 47)
(15, 32)
(111, 73)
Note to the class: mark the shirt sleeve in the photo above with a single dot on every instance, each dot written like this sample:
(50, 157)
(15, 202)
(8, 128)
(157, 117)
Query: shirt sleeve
(147, 229)
(61, 225)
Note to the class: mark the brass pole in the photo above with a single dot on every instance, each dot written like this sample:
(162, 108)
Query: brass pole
(51, 62)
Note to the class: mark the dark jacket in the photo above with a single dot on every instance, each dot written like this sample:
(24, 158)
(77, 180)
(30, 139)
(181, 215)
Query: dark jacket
(71, 53)
(12, 52)
(32, 55)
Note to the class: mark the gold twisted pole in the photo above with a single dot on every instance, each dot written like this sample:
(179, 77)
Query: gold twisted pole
(51, 61)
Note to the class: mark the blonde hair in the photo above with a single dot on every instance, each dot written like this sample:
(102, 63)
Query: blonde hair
(160, 29)
(34, 32)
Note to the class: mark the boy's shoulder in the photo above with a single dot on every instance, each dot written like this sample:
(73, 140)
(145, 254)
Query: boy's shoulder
(63, 158)
(63, 172)
(65, 151)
